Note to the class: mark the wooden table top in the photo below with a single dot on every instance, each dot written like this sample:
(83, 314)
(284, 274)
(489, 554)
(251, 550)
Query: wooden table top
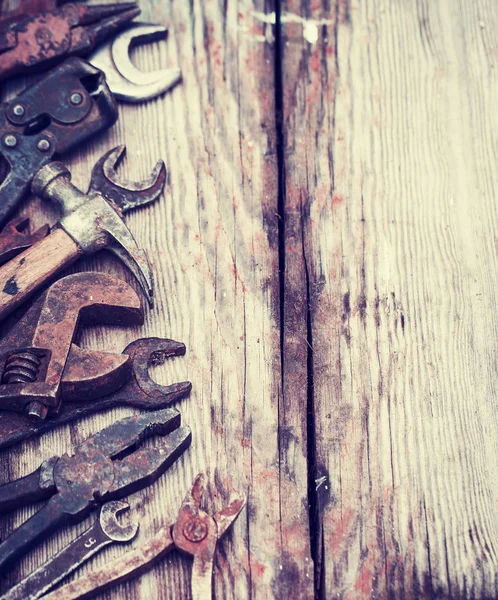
(326, 249)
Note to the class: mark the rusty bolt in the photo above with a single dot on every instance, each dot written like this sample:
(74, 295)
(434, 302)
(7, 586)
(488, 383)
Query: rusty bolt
(43, 145)
(76, 99)
(19, 110)
(195, 530)
(36, 411)
(10, 140)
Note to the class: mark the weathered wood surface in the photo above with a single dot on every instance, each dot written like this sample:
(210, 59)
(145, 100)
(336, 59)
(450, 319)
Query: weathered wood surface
(391, 219)
(326, 248)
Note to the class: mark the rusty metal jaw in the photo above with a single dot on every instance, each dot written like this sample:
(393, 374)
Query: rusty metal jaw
(84, 391)
(34, 354)
(16, 237)
(37, 42)
(107, 466)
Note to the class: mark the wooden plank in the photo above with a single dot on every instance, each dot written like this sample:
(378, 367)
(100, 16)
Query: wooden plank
(213, 240)
(390, 165)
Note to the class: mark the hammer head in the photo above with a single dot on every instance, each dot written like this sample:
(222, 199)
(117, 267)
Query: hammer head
(95, 220)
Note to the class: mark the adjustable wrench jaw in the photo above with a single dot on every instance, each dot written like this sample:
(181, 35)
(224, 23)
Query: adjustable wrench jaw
(82, 387)
(33, 356)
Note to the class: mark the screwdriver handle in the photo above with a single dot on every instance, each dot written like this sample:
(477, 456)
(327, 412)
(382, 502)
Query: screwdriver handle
(28, 271)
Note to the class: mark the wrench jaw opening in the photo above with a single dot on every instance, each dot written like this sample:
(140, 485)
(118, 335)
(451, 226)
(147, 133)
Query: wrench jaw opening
(31, 374)
(112, 527)
(127, 82)
(144, 354)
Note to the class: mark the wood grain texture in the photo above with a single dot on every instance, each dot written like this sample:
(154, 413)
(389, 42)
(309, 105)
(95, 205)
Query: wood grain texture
(213, 241)
(390, 182)
(326, 248)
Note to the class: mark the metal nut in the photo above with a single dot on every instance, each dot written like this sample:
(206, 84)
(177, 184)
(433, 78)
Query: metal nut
(76, 99)
(36, 411)
(19, 110)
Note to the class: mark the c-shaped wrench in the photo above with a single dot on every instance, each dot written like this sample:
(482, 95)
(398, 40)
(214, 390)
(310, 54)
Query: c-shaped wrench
(106, 530)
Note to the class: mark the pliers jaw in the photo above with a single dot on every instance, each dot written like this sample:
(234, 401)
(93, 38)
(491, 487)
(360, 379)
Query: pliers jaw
(107, 466)
(39, 42)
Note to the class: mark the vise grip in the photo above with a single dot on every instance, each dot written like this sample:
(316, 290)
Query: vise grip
(65, 108)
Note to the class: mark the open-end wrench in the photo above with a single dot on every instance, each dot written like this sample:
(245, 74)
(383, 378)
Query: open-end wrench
(125, 81)
(106, 530)
(15, 238)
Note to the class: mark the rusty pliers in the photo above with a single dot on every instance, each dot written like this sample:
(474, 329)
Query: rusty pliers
(195, 533)
(101, 469)
(34, 43)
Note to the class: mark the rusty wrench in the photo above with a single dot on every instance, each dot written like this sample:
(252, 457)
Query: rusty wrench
(15, 238)
(195, 533)
(139, 391)
(34, 355)
(105, 530)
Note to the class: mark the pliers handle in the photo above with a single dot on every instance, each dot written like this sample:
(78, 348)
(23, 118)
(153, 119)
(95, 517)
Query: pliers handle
(41, 41)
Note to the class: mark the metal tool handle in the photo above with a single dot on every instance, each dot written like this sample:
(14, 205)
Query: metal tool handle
(25, 273)
(11, 193)
(122, 569)
(25, 490)
(67, 560)
(48, 518)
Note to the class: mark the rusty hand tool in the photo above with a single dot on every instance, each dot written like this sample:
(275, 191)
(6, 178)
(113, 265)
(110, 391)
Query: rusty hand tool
(39, 42)
(126, 82)
(52, 117)
(105, 530)
(27, 8)
(34, 355)
(68, 106)
(194, 533)
(89, 223)
(139, 390)
(15, 238)
(101, 469)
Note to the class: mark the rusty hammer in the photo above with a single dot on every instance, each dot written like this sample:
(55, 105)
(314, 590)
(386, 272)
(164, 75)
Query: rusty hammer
(89, 223)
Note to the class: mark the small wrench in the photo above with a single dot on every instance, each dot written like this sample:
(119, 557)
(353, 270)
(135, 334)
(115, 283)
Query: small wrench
(106, 530)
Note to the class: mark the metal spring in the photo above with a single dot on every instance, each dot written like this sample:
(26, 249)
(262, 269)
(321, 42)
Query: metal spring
(21, 368)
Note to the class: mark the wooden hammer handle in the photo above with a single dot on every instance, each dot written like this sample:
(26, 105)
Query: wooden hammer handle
(25, 273)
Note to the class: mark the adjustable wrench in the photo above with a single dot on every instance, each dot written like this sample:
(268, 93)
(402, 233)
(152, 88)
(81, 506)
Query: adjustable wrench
(106, 530)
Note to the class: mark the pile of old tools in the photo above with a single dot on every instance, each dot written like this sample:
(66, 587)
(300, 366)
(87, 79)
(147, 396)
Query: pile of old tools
(45, 378)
